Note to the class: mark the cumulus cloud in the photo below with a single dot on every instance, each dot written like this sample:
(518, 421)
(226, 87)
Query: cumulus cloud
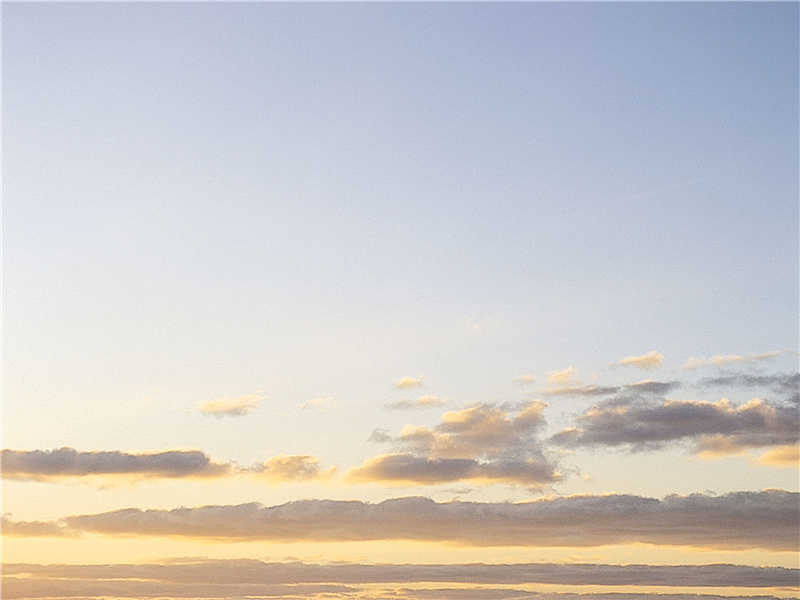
(783, 457)
(741, 520)
(231, 407)
(421, 402)
(715, 427)
(282, 468)
(44, 465)
(651, 360)
(481, 443)
(568, 376)
(236, 577)
(727, 359)
(408, 382)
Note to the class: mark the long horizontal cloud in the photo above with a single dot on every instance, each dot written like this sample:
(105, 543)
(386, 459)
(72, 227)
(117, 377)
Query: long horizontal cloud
(238, 575)
(283, 468)
(721, 360)
(715, 427)
(67, 462)
(766, 520)
(481, 444)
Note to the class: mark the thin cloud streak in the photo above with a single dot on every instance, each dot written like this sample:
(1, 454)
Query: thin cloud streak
(741, 520)
(231, 407)
(651, 360)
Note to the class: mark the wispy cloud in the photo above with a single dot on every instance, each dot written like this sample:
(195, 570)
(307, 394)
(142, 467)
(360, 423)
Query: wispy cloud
(567, 383)
(43, 465)
(231, 407)
(481, 443)
(319, 404)
(524, 379)
(741, 520)
(408, 382)
(648, 386)
(651, 360)
(282, 469)
(727, 359)
(714, 427)
(421, 402)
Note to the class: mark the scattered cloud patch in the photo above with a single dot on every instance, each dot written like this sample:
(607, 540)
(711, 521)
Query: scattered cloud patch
(481, 444)
(651, 360)
(764, 520)
(727, 359)
(231, 407)
(405, 383)
(782, 457)
(648, 386)
(421, 402)
(283, 469)
(524, 379)
(568, 376)
(46, 465)
(33, 529)
(567, 383)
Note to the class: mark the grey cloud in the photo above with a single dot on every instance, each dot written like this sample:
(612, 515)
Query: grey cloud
(33, 528)
(653, 387)
(68, 462)
(247, 572)
(766, 520)
(788, 383)
(481, 444)
(579, 390)
(715, 427)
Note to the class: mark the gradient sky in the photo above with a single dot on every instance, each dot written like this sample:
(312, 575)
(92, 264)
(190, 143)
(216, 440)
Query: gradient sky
(318, 298)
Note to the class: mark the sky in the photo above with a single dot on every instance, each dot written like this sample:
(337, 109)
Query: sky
(400, 300)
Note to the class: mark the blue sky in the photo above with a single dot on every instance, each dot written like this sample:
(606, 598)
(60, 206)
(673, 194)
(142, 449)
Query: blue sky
(296, 206)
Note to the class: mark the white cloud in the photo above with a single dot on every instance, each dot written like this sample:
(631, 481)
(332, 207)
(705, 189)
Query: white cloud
(232, 407)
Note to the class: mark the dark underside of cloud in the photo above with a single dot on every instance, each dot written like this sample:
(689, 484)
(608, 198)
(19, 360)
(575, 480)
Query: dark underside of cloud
(68, 462)
(711, 426)
(741, 520)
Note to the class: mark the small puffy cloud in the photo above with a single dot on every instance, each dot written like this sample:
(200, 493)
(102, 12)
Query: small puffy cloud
(408, 382)
(716, 428)
(45, 465)
(421, 402)
(524, 379)
(741, 520)
(568, 376)
(282, 469)
(651, 360)
(231, 407)
(481, 444)
(727, 359)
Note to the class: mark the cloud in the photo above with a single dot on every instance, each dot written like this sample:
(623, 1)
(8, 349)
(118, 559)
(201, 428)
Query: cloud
(33, 528)
(650, 360)
(524, 379)
(319, 404)
(282, 468)
(236, 578)
(231, 407)
(648, 386)
(44, 465)
(715, 427)
(421, 402)
(568, 376)
(408, 382)
(764, 520)
(783, 456)
(788, 383)
(481, 443)
(727, 359)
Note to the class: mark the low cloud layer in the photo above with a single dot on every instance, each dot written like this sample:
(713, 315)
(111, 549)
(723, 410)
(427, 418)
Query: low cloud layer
(742, 520)
(713, 427)
(237, 578)
(231, 407)
(43, 465)
(481, 444)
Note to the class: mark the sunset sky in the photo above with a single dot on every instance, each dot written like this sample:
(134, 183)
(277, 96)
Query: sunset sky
(371, 301)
